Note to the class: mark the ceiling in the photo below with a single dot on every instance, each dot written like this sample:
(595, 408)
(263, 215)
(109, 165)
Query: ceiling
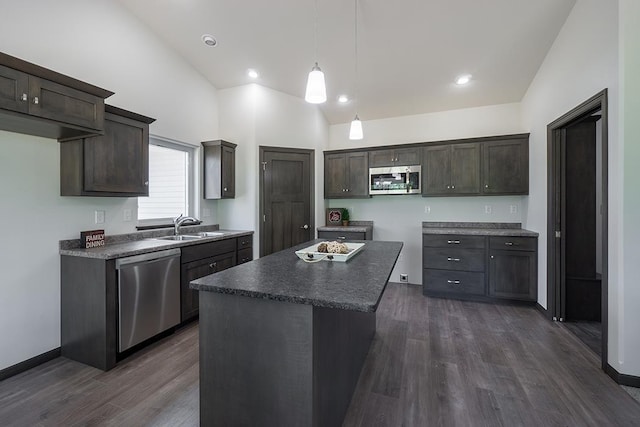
(409, 51)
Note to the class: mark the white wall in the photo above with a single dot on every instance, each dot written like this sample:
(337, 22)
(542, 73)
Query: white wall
(253, 116)
(628, 298)
(400, 218)
(583, 61)
(100, 43)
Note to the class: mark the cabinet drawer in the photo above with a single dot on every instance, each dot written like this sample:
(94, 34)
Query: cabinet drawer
(453, 281)
(204, 250)
(453, 259)
(245, 255)
(452, 241)
(513, 243)
(341, 235)
(245, 242)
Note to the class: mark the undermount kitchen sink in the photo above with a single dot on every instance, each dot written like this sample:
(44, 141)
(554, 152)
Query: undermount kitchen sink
(180, 237)
(209, 234)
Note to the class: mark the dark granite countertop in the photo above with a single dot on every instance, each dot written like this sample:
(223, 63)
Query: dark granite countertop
(508, 229)
(353, 285)
(355, 226)
(143, 242)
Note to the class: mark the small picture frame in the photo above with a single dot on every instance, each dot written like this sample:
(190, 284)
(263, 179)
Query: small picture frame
(334, 216)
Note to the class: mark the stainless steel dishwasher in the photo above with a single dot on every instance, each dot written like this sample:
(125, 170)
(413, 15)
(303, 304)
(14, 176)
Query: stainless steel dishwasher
(148, 296)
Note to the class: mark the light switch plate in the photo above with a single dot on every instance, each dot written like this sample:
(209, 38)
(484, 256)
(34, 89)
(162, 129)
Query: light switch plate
(126, 215)
(487, 209)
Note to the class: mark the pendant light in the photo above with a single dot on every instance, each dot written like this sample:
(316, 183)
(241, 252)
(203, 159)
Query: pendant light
(316, 92)
(355, 132)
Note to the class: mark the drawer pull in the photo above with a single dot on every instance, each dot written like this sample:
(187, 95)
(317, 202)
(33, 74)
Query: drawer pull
(244, 243)
(453, 242)
(341, 238)
(453, 282)
(453, 259)
(213, 265)
(508, 243)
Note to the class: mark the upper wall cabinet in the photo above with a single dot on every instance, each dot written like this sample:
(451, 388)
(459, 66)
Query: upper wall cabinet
(451, 170)
(394, 157)
(41, 102)
(505, 166)
(219, 169)
(113, 164)
(346, 175)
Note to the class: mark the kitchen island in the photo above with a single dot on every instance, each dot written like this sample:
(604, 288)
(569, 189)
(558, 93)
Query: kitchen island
(282, 341)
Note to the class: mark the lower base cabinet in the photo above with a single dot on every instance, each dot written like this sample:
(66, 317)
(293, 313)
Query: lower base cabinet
(205, 259)
(480, 267)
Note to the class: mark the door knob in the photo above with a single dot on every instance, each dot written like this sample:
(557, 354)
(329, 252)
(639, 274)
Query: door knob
(306, 227)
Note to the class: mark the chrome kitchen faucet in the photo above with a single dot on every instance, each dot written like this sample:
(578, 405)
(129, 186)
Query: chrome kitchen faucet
(181, 219)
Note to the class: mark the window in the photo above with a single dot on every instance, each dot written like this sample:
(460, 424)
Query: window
(170, 183)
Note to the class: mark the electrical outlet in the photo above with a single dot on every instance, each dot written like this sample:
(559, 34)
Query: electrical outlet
(513, 209)
(126, 215)
(99, 217)
(487, 209)
(427, 209)
(404, 277)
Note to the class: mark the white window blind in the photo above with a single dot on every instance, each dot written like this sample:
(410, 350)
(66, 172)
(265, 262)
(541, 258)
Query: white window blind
(169, 171)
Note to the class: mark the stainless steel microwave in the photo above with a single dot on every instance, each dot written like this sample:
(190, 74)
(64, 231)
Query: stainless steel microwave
(395, 180)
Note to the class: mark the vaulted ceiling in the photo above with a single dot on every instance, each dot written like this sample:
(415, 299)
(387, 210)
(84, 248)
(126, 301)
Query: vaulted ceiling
(409, 51)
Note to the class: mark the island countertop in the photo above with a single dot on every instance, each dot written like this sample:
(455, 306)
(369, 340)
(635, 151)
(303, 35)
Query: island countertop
(356, 285)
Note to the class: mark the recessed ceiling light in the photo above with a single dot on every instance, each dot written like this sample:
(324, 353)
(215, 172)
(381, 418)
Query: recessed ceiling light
(209, 40)
(464, 79)
(252, 73)
(343, 98)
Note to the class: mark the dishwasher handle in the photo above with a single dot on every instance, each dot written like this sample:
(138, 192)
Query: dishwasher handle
(151, 256)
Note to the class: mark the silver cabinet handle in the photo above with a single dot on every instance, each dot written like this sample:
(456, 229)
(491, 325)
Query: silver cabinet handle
(453, 282)
(244, 243)
(453, 242)
(453, 186)
(342, 237)
(453, 259)
(225, 188)
(448, 186)
(24, 97)
(491, 256)
(36, 100)
(486, 186)
(213, 265)
(508, 243)
(305, 227)
(146, 183)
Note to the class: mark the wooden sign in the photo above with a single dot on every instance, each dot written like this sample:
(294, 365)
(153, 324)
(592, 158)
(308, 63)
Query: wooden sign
(92, 239)
(334, 216)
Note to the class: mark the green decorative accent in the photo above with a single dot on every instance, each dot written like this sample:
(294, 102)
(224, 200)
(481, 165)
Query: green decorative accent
(345, 214)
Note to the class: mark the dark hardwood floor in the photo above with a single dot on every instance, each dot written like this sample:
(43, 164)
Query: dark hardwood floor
(434, 362)
(589, 333)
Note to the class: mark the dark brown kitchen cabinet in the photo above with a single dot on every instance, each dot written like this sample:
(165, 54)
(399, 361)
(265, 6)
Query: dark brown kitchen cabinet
(451, 169)
(195, 270)
(219, 169)
(113, 164)
(394, 157)
(342, 235)
(505, 167)
(346, 175)
(513, 268)
(38, 101)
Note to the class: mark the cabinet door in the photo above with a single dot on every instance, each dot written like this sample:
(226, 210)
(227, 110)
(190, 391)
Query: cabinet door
(228, 172)
(465, 168)
(14, 90)
(195, 270)
(64, 104)
(436, 170)
(381, 158)
(512, 274)
(407, 156)
(358, 174)
(118, 161)
(506, 167)
(335, 166)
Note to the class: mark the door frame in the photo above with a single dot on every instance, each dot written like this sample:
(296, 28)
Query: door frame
(312, 197)
(555, 135)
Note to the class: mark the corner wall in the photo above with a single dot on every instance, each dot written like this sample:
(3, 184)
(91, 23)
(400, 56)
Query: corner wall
(102, 44)
(253, 116)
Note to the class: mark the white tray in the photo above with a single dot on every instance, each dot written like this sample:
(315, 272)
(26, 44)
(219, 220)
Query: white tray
(311, 254)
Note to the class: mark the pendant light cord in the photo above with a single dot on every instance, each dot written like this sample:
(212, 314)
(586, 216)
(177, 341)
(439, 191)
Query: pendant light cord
(355, 14)
(315, 30)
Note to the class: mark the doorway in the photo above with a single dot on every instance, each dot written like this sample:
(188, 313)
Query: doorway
(286, 202)
(577, 222)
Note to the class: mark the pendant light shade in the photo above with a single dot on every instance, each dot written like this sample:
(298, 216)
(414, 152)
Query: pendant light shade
(316, 92)
(355, 132)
